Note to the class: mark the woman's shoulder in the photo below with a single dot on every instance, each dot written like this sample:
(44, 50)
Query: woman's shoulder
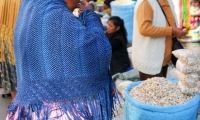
(115, 35)
(119, 38)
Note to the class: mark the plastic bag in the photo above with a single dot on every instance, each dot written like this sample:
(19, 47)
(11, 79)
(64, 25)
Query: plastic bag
(184, 53)
(175, 46)
(184, 68)
(135, 110)
(184, 89)
(189, 80)
(190, 60)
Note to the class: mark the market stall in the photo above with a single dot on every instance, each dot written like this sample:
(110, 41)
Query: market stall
(189, 18)
(160, 98)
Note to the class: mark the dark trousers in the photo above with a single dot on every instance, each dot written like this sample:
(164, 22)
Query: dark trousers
(162, 73)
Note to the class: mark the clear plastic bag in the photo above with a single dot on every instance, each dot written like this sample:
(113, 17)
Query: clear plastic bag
(185, 53)
(184, 68)
(184, 89)
(190, 60)
(198, 86)
(189, 80)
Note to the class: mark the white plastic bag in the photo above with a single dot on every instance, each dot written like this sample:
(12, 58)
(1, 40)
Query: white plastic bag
(121, 87)
(190, 60)
(184, 68)
(184, 89)
(189, 80)
(184, 53)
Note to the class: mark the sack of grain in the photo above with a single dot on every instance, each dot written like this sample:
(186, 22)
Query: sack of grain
(189, 80)
(184, 53)
(136, 110)
(184, 68)
(187, 90)
(189, 57)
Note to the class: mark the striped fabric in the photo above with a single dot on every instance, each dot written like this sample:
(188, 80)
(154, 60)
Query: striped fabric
(8, 13)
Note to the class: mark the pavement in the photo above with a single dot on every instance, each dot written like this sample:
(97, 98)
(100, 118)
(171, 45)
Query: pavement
(4, 102)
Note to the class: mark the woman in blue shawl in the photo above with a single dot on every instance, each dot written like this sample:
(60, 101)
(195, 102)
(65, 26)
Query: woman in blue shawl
(62, 64)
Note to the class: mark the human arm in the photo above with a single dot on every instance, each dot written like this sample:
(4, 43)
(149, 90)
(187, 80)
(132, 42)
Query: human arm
(91, 20)
(145, 19)
(84, 5)
(87, 43)
(58, 42)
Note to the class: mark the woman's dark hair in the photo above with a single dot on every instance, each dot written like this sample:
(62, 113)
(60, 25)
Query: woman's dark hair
(118, 22)
(107, 2)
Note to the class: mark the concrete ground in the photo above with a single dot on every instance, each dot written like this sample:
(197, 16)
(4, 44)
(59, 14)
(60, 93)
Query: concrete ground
(4, 102)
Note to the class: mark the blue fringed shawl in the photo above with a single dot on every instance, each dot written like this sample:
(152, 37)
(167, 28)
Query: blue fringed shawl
(62, 64)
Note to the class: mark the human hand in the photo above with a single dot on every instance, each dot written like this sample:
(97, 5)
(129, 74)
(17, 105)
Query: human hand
(84, 5)
(178, 32)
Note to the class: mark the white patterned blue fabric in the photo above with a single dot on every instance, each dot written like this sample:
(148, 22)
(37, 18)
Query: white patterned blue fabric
(61, 58)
